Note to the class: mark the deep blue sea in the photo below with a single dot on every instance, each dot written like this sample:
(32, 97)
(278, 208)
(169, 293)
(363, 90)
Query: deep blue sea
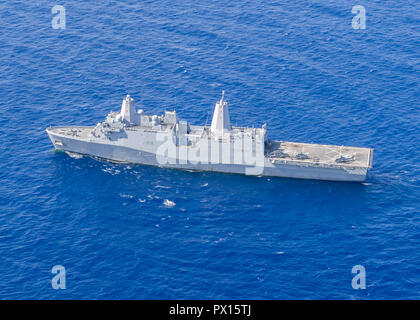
(298, 66)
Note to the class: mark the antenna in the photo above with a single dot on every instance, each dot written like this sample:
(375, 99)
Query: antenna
(207, 119)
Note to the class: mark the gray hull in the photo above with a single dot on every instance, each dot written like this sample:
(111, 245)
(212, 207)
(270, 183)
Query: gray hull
(126, 154)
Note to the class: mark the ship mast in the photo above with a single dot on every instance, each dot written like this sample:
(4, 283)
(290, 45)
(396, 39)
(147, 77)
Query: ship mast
(221, 120)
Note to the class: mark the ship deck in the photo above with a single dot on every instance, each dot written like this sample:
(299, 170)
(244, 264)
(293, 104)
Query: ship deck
(80, 132)
(318, 154)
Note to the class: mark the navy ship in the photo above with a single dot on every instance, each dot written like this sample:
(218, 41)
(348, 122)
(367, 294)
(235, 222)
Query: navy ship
(132, 136)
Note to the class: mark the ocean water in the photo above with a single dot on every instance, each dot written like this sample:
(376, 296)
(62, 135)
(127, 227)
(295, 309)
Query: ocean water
(134, 232)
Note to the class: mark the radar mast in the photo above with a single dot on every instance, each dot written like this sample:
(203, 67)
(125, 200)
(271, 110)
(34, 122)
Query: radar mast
(220, 123)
